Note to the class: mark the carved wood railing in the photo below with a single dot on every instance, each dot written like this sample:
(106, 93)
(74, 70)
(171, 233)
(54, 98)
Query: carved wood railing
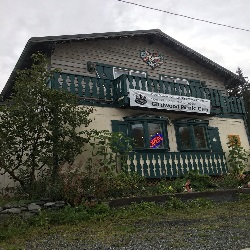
(174, 164)
(92, 90)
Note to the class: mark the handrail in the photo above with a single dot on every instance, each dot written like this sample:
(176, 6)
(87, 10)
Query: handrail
(219, 103)
(84, 86)
(117, 91)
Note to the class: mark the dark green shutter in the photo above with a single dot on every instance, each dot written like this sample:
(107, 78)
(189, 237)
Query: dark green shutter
(214, 139)
(121, 127)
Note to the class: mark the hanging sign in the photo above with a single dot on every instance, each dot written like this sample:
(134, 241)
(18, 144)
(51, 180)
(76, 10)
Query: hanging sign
(156, 140)
(169, 102)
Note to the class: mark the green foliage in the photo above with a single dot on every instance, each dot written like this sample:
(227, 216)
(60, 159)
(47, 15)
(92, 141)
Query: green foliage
(69, 215)
(113, 225)
(237, 157)
(105, 151)
(175, 203)
(241, 88)
(39, 126)
(244, 197)
(142, 206)
(200, 203)
(200, 182)
(126, 184)
(78, 185)
(178, 184)
(229, 181)
(15, 224)
(162, 187)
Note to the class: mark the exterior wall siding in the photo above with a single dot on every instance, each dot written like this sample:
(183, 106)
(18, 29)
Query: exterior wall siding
(125, 52)
(102, 117)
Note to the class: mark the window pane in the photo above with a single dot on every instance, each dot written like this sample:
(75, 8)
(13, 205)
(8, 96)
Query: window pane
(200, 138)
(138, 135)
(155, 135)
(119, 72)
(184, 133)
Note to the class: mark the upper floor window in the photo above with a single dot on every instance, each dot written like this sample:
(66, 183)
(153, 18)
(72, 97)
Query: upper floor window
(192, 135)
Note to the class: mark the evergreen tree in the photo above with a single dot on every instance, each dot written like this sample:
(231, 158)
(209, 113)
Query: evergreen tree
(242, 89)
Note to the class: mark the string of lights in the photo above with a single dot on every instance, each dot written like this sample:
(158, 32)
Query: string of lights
(193, 18)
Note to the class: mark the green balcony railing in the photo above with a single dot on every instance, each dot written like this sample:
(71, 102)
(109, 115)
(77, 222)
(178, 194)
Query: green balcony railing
(88, 89)
(115, 92)
(174, 164)
(219, 104)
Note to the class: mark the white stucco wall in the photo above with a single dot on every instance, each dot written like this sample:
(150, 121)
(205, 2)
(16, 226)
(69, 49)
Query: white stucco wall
(102, 117)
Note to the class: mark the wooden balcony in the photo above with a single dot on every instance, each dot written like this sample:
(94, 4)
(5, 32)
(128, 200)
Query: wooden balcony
(173, 164)
(106, 92)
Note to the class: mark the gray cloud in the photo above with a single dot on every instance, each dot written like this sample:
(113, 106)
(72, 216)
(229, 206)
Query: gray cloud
(230, 48)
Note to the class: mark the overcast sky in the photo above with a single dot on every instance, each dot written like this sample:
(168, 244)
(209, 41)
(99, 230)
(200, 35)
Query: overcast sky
(23, 19)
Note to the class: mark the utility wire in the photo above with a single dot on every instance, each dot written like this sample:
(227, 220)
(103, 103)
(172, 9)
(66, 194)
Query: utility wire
(193, 18)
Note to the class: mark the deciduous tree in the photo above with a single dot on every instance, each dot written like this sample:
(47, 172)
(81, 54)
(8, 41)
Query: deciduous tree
(39, 126)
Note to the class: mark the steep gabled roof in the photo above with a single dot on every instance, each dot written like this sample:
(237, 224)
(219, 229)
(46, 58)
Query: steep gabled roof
(46, 45)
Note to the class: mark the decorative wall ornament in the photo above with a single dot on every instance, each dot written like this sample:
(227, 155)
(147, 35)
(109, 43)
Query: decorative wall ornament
(152, 59)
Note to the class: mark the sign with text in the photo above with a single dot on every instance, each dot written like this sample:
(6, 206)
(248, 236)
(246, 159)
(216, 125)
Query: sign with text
(169, 102)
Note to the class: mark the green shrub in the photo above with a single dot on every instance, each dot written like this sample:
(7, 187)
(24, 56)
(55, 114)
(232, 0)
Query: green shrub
(200, 203)
(175, 203)
(178, 184)
(229, 181)
(237, 157)
(200, 182)
(162, 187)
(126, 184)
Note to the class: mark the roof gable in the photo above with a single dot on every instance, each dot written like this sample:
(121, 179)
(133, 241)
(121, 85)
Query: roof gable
(46, 45)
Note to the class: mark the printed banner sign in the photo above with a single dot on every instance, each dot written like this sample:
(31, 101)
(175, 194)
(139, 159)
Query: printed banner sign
(169, 102)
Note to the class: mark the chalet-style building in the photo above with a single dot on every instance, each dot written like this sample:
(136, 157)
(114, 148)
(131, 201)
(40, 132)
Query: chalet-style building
(170, 99)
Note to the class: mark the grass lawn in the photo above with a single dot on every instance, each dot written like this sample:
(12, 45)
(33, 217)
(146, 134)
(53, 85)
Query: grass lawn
(173, 222)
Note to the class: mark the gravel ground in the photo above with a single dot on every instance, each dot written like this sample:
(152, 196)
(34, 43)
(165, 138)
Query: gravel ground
(221, 233)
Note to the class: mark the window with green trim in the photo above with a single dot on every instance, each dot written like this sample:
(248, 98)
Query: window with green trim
(147, 132)
(192, 135)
